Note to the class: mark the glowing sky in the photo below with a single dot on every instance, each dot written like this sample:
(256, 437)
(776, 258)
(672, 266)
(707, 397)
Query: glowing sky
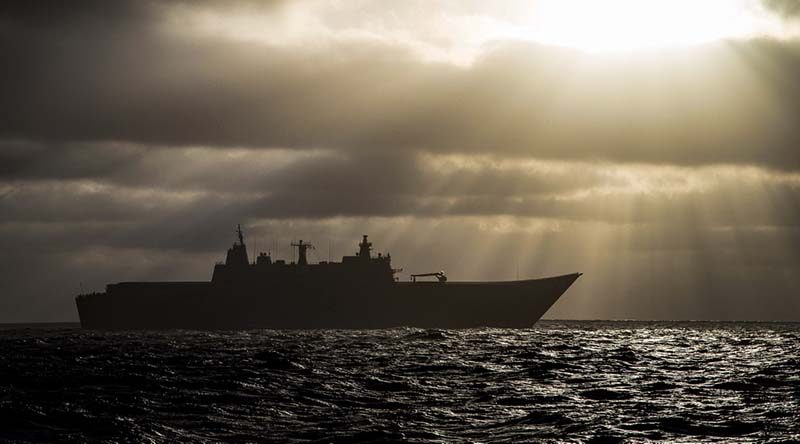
(459, 31)
(652, 145)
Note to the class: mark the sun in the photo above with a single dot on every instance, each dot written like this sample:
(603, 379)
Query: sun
(623, 25)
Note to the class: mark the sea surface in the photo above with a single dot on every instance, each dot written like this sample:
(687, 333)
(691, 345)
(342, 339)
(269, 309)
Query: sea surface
(556, 382)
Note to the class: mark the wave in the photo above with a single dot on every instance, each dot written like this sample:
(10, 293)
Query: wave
(582, 382)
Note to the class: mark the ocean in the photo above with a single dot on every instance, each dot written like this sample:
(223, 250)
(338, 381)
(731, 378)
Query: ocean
(561, 381)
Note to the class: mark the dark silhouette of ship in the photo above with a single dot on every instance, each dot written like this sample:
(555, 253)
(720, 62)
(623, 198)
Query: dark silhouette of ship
(361, 291)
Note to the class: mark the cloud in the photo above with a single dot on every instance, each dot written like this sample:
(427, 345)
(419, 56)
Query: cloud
(132, 140)
(168, 185)
(785, 8)
(90, 81)
(28, 160)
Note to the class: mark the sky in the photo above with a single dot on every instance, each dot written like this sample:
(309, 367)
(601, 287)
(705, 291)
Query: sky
(652, 145)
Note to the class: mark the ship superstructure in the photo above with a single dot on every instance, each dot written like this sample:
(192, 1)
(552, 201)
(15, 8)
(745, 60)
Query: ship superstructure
(362, 266)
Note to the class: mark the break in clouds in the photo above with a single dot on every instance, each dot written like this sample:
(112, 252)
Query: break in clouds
(135, 135)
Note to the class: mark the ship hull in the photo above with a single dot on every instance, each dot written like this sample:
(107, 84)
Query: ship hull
(207, 305)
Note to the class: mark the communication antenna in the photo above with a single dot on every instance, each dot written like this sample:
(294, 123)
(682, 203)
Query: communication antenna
(239, 233)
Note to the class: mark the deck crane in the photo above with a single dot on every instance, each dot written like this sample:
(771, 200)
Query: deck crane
(439, 275)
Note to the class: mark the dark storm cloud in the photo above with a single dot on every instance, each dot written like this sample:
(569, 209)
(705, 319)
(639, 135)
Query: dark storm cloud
(147, 83)
(101, 13)
(318, 174)
(43, 16)
(26, 160)
(321, 187)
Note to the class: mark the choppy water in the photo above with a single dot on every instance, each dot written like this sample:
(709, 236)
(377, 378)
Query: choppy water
(560, 381)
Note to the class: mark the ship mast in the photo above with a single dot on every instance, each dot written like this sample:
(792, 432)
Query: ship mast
(301, 251)
(239, 232)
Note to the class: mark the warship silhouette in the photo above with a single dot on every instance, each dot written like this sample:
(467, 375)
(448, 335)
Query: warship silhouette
(360, 292)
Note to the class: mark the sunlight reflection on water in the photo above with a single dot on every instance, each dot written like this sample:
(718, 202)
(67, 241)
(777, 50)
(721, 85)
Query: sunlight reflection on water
(638, 381)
